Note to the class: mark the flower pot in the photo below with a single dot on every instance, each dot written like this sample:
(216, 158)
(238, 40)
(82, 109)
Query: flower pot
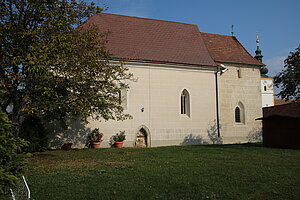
(118, 144)
(95, 145)
(67, 146)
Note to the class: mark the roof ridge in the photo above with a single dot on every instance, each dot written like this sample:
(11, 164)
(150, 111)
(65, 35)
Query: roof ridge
(235, 38)
(217, 34)
(209, 54)
(285, 104)
(160, 20)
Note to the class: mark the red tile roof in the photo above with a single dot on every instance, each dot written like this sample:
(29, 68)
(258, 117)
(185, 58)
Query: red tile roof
(282, 101)
(150, 40)
(285, 110)
(141, 39)
(224, 48)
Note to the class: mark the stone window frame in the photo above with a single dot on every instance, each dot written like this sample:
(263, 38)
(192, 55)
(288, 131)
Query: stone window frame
(239, 113)
(185, 103)
(147, 130)
(123, 97)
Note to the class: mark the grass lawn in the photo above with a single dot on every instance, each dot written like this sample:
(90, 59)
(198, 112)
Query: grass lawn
(176, 172)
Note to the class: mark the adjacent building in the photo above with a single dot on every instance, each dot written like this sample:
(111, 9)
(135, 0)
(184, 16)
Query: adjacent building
(281, 126)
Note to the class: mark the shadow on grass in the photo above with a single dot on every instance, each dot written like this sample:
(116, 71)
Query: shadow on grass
(43, 155)
(229, 145)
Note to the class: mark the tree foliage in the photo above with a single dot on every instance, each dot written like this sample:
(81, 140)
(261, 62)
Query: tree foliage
(52, 67)
(12, 160)
(289, 77)
(34, 131)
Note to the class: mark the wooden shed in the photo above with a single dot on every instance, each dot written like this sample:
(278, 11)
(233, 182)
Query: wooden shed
(281, 126)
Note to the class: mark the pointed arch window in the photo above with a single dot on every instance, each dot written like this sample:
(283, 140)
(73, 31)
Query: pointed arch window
(123, 97)
(239, 114)
(185, 103)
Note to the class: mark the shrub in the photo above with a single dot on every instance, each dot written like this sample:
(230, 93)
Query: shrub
(34, 132)
(12, 157)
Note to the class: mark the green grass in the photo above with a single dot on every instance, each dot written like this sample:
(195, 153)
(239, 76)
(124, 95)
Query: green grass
(177, 172)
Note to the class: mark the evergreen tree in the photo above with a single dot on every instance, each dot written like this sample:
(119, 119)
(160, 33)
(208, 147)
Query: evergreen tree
(12, 160)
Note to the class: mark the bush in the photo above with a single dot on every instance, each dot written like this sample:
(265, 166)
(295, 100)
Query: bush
(34, 132)
(12, 157)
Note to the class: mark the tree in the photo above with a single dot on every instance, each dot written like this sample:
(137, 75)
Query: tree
(289, 77)
(53, 67)
(12, 160)
(34, 131)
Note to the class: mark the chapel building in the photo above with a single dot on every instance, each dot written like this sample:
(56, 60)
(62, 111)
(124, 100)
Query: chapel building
(192, 87)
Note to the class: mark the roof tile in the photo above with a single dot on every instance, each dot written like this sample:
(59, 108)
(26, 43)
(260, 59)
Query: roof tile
(151, 40)
(224, 48)
(282, 101)
(144, 39)
(285, 110)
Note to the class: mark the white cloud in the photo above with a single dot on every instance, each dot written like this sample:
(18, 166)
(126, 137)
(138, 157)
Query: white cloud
(275, 65)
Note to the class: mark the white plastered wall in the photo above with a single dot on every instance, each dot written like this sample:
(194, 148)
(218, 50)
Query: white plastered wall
(267, 91)
(157, 92)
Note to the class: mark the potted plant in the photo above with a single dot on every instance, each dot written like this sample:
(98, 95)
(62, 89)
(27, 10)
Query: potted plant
(117, 139)
(67, 146)
(94, 139)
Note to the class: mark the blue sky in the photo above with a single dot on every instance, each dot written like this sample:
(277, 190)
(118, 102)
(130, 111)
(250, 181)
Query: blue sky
(277, 21)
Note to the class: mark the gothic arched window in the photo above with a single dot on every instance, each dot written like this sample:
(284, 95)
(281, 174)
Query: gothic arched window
(239, 113)
(185, 103)
(123, 97)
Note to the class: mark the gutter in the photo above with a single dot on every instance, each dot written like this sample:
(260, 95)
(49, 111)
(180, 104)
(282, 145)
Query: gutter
(238, 63)
(220, 69)
(163, 62)
(217, 102)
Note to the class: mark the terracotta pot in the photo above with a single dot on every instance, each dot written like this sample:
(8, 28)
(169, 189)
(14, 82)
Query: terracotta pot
(67, 146)
(95, 145)
(118, 144)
